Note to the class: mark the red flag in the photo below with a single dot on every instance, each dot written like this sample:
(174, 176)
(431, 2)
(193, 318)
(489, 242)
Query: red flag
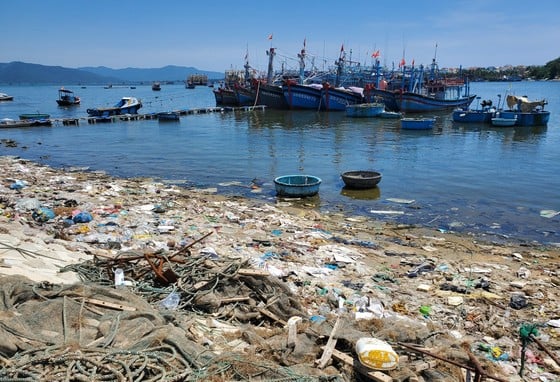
(375, 54)
(402, 63)
(270, 36)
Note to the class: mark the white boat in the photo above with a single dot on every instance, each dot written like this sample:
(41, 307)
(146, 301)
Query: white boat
(6, 97)
(127, 105)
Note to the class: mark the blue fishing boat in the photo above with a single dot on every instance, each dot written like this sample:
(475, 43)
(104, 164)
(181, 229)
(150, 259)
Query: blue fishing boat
(302, 96)
(365, 110)
(271, 96)
(34, 116)
(526, 112)
(484, 114)
(297, 185)
(417, 123)
(336, 99)
(419, 103)
(127, 105)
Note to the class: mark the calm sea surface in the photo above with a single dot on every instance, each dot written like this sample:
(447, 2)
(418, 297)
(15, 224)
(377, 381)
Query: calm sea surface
(493, 182)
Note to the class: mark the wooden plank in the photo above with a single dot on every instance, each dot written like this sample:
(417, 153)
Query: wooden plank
(253, 272)
(108, 304)
(331, 343)
(374, 375)
(271, 315)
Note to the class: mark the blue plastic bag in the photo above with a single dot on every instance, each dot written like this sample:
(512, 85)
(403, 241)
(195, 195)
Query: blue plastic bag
(82, 217)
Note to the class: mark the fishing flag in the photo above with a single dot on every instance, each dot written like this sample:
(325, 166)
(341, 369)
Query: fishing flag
(402, 63)
(270, 36)
(375, 54)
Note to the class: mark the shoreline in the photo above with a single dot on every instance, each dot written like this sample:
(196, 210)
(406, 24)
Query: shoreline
(319, 257)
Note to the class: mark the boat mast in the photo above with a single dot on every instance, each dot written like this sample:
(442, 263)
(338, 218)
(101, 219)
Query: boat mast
(301, 57)
(271, 53)
(339, 66)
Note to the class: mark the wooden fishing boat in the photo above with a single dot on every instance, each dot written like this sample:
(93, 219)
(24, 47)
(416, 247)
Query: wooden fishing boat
(297, 185)
(361, 179)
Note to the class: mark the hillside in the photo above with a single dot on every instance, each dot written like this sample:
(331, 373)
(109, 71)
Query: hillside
(166, 73)
(25, 73)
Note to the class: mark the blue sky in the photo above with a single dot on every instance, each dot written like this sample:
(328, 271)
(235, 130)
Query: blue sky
(215, 35)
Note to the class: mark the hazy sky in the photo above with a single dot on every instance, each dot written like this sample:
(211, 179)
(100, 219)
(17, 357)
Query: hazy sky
(216, 35)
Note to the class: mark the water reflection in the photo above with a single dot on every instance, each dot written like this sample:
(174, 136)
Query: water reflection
(367, 194)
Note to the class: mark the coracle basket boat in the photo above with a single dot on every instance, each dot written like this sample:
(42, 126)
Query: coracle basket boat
(297, 185)
(361, 179)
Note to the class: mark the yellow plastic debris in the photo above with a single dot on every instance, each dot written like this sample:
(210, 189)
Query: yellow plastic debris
(376, 354)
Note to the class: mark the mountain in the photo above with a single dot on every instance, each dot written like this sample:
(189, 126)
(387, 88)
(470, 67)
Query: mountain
(23, 73)
(166, 73)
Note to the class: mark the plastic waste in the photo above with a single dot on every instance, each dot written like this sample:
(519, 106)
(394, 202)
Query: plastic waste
(43, 214)
(18, 185)
(28, 204)
(518, 301)
(119, 278)
(425, 310)
(376, 354)
(420, 269)
(82, 217)
(171, 302)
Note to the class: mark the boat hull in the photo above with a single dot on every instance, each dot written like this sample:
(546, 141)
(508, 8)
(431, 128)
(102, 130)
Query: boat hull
(302, 97)
(110, 111)
(537, 118)
(271, 96)
(417, 103)
(417, 123)
(245, 97)
(473, 116)
(361, 180)
(381, 96)
(365, 110)
(168, 116)
(337, 99)
(225, 97)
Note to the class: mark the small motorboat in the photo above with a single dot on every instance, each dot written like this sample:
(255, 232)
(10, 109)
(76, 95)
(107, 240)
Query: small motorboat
(127, 105)
(6, 97)
(361, 179)
(417, 123)
(67, 98)
(168, 116)
(156, 86)
(297, 186)
(390, 114)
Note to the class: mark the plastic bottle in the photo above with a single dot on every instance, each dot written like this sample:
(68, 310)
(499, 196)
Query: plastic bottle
(119, 278)
(171, 302)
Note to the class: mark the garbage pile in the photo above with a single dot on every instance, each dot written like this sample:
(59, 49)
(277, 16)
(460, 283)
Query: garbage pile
(133, 279)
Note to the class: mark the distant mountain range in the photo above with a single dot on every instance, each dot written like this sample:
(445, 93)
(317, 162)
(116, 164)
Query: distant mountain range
(24, 73)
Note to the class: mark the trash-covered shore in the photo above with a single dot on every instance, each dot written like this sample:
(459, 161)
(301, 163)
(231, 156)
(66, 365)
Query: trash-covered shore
(130, 279)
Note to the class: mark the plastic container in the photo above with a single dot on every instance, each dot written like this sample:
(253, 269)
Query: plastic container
(376, 354)
(119, 278)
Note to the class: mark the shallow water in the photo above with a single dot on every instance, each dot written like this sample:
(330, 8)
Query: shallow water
(472, 178)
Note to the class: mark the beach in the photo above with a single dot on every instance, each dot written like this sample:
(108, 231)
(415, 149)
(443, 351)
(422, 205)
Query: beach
(342, 277)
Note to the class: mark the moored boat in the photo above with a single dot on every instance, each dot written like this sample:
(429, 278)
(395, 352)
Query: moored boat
(127, 105)
(271, 96)
(10, 123)
(302, 96)
(67, 98)
(336, 99)
(417, 123)
(417, 103)
(478, 115)
(297, 185)
(365, 110)
(504, 121)
(34, 116)
(526, 112)
(361, 179)
(168, 116)
(156, 86)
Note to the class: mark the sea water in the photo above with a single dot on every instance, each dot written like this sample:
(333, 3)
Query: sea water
(494, 182)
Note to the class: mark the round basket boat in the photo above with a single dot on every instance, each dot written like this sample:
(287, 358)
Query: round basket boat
(361, 179)
(297, 185)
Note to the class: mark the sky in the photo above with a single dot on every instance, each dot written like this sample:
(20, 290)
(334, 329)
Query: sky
(217, 35)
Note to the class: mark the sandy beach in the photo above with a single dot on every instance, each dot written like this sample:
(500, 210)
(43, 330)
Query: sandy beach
(335, 279)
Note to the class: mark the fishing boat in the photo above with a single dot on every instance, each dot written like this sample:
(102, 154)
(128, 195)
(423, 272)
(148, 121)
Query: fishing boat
(297, 185)
(418, 103)
(225, 97)
(337, 98)
(271, 96)
(156, 86)
(361, 179)
(127, 105)
(484, 114)
(526, 112)
(10, 123)
(67, 98)
(299, 96)
(6, 97)
(365, 110)
(390, 114)
(417, 123)
(245, 96)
